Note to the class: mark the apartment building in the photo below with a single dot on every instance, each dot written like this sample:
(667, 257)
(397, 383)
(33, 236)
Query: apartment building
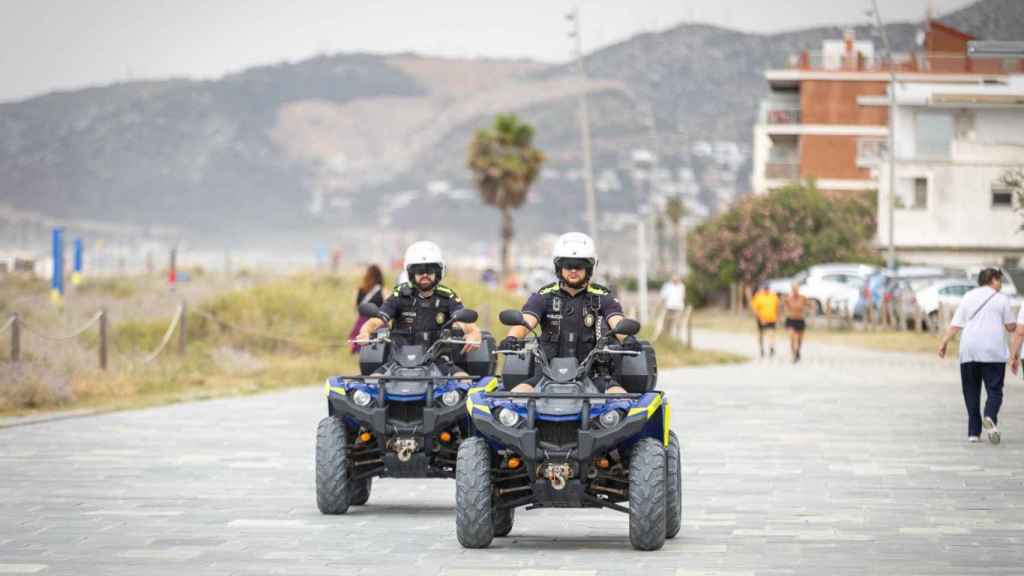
(822, 120)
(954, 144)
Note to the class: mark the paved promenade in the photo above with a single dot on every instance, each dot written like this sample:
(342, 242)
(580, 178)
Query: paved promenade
(852, 462)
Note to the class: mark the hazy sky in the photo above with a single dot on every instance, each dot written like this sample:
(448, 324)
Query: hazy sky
(48, 45)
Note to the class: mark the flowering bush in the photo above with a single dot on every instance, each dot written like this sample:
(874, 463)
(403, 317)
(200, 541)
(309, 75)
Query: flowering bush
(779, 234)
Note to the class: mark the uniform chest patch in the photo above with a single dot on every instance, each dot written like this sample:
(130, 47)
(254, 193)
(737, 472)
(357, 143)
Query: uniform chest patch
(588, 320)
(439, 318)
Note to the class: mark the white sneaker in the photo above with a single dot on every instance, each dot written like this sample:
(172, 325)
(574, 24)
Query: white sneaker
(991, 430)
(972, 439)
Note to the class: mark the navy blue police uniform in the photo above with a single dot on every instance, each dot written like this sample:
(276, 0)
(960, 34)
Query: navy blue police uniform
(415, 319)
(570, 324)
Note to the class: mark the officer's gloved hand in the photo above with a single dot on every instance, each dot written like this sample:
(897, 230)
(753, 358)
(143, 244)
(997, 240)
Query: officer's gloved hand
(631, 344)
(510, 344)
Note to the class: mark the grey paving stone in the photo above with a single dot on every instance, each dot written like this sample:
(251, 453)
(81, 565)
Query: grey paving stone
(851, 462)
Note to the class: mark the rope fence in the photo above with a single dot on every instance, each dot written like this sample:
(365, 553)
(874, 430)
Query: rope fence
(15, 324)
(38, 334)
(167, 335)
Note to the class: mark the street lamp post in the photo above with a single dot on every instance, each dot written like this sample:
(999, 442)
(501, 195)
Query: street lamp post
(588, 170)
(617, 222)
(891, 140)
(641, 267)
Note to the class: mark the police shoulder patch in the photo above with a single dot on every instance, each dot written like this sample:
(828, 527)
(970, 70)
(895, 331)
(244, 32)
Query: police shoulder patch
(548, 288)
(442, 289)
(597, 289)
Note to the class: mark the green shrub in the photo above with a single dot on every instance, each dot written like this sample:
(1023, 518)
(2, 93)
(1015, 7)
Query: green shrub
(779, 234)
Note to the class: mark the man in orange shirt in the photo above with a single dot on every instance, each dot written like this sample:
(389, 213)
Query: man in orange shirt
(765, 305)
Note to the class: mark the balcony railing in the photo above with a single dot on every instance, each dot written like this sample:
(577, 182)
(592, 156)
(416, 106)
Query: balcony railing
(925, 62)
(782, 170)
(871, 151)
(776, 112)
(782, 116)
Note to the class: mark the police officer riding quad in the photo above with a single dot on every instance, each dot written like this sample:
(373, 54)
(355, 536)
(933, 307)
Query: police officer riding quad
(567, 445)
(405, 415)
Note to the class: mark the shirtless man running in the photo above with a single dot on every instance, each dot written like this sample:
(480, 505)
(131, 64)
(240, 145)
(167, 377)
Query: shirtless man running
(795, 305)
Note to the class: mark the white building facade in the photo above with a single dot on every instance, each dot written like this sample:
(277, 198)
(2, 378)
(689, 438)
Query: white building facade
(954, 143)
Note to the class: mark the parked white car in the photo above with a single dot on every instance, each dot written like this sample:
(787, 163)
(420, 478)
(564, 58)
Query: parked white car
(950, 291)
(838, 285)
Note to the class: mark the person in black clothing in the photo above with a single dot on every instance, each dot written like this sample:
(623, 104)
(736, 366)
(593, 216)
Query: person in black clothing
(573, 312)
(417, 309)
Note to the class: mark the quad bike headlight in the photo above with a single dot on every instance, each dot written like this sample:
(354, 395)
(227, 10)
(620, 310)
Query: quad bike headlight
(362, 398)
(451, 398)
(508, 417)
(610, 419)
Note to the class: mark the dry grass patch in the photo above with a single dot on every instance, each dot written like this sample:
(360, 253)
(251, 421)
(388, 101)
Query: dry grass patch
(888, 340)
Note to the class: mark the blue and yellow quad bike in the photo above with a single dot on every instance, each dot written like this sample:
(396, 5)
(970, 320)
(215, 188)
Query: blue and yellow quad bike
(404, 417)
(565, 445)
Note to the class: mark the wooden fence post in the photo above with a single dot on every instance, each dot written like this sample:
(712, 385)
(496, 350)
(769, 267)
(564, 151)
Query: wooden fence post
(15, 339)
(103, 338)
(183, 328)
(689, 327)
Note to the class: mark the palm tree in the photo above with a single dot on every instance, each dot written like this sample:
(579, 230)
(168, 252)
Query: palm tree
(504, 164)
(675, 210)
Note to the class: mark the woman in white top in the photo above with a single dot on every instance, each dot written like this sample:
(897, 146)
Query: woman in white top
(984, 316)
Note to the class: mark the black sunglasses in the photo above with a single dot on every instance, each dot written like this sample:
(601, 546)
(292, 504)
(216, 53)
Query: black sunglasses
(418, 269)
(574, 264)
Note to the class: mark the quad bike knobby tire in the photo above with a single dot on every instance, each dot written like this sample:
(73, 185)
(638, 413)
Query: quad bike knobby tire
(647, 503)
(474, 520)
(332, 485)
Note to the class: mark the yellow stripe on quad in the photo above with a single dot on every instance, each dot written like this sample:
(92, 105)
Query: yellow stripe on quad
(470, 405)
(650, 407)
(666, 421)
(491, 386)
(340, 390)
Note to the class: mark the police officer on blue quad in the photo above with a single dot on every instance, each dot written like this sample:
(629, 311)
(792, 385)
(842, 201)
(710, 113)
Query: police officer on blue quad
(573, 312)
(418, 308)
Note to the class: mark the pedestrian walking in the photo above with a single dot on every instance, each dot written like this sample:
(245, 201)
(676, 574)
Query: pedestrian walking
(795, 304)
(983, 315)
(370, 290)
(673, 302)
(765, 306)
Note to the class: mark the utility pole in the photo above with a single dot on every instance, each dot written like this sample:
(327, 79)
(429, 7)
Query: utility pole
(588, 170)
(891, 143)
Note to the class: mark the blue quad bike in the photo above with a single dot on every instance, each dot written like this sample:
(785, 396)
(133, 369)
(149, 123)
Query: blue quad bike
(565, 445)
(403, 417)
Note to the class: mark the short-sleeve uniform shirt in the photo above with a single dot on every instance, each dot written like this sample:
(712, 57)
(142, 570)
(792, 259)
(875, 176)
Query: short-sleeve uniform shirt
(574, 314)
(421, 315)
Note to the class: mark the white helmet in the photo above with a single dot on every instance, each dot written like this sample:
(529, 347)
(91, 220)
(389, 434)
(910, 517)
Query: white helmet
(575, 245)
(424, 252)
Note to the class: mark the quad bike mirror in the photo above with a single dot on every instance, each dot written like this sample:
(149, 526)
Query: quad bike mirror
(369, 309)
(464, 315)
(512, 318)
(627, 327)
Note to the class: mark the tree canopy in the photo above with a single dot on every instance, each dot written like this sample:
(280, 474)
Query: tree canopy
(779, 234)
(504, 165)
